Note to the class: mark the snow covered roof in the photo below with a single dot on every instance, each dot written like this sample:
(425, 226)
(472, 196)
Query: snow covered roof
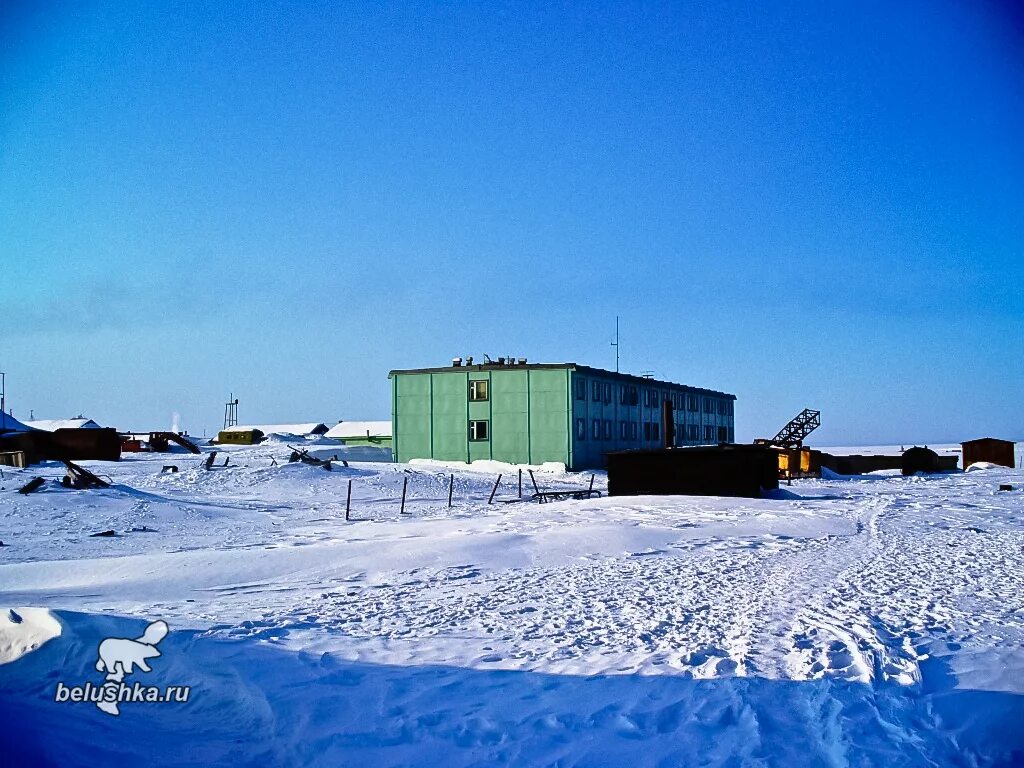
(51, 425)
(309, 428)
(345, 429)
(10, 424)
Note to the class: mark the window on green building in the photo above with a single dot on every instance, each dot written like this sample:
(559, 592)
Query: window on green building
(478, 390)
(478, 430)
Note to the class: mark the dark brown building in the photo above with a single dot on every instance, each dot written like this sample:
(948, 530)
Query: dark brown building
(988, 449)
(723, 470)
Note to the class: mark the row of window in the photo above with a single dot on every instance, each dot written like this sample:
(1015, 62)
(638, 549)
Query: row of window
(601, 392)
(601, 429)
(629, 394)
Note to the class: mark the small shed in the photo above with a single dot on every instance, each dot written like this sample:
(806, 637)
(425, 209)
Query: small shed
(240, 436)
(988, 449)
(719, 470)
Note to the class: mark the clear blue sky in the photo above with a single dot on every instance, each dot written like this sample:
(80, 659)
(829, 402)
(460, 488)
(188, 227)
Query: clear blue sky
(806, 204)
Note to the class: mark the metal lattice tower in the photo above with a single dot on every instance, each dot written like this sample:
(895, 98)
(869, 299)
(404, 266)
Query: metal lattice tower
(792, 435)
(231, 411)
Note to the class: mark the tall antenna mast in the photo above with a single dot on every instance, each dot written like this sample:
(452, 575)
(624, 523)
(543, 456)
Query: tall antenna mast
(3, 392)
(616, 343)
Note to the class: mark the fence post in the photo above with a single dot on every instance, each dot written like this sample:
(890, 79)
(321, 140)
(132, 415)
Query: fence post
(405, 483)
(451, 487)
(591, 488)
(534, 481)
(348, 500)
(520, 482)
(494, 490)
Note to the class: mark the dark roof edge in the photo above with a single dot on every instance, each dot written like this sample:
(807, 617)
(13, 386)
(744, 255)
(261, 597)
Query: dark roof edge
(641, 380)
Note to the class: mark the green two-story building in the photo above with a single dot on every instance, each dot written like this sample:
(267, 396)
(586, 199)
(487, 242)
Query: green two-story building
(529, 413)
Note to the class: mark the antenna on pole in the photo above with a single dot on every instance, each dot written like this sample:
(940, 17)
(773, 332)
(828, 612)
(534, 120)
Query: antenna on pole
(616, 343)
(3, 392)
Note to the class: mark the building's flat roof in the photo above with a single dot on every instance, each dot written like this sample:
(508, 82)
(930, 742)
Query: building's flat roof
(585, 369)
(354, 429)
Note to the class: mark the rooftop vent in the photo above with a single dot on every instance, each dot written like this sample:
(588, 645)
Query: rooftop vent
(456, 362)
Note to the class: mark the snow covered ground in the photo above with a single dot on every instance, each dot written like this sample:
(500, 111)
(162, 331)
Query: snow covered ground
(869, 621)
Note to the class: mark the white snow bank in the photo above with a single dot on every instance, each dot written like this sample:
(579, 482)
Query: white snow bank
(491, 466)
(23, 630)
(981, 465)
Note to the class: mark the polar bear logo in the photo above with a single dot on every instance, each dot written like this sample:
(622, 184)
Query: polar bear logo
(119, 656)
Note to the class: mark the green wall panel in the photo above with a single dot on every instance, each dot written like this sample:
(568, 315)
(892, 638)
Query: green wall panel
(412, 431)
(510, 416)
(450, 422)
(549, 415)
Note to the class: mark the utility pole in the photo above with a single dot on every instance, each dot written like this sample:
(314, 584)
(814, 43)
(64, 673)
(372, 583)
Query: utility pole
(616, 343)
(3, 392)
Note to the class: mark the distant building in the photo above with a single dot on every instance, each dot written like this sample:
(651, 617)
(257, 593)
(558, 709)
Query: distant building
(9, 424)
(375, 433)
(532, 413)
(306, 429)
(52, 425)
(988, 449)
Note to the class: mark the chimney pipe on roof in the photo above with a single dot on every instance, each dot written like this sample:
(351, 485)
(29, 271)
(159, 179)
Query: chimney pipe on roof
(456, 362)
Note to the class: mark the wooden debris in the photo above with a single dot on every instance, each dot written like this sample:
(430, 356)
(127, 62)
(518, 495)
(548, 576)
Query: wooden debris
(102, 533)
(32, 485)
(209, 460)
(301, 454)
(80, 477)
(171, 468)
